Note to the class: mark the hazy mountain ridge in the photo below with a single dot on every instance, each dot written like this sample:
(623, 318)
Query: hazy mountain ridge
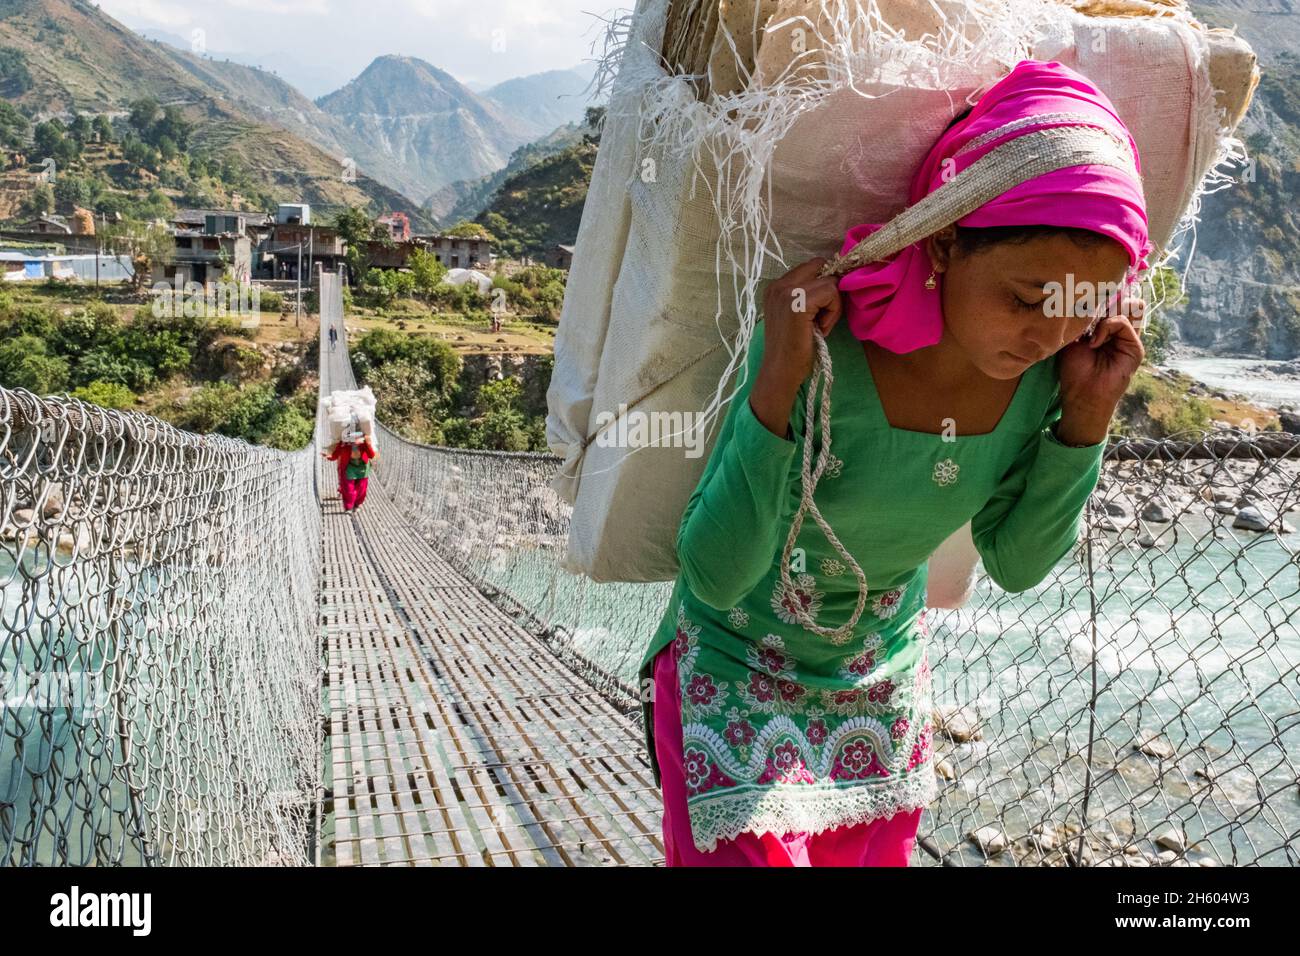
(272, 100)
(439, 131)
(467, 198)
(549, 100)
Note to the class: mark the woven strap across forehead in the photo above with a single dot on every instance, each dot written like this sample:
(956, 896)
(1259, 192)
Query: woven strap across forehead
(1031, 154)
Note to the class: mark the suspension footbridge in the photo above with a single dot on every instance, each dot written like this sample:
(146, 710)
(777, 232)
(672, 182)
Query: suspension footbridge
(204, 660)
(455, 736)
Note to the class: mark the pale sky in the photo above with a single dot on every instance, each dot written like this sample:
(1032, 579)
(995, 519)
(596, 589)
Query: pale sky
(321, 44)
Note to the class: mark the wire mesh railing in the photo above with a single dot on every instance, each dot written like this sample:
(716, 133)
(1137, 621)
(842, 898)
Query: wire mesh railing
(158, 642)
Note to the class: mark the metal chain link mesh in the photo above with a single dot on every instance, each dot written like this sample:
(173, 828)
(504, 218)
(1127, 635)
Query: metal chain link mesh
(158, 642)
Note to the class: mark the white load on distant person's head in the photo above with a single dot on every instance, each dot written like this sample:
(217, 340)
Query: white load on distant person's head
(351, 416)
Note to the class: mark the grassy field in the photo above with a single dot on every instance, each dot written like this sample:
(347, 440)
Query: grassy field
(467, 335)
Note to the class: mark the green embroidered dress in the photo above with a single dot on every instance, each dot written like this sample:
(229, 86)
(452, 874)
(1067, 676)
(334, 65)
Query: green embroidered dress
(783, 730)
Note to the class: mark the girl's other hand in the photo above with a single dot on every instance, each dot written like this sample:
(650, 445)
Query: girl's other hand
(1095, 372)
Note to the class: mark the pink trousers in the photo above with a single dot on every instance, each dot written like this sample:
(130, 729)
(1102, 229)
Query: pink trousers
(882, 842)
(352, 491)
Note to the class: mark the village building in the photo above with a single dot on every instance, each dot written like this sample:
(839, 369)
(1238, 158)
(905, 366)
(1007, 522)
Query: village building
(206, 254)
(293, 214)
(459, 252)
(559, 257)
(254, 224)
(291, 244)
(398, 225)
(46, 225)
(395, 255)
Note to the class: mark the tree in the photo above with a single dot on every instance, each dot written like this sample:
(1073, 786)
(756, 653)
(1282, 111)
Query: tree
(470, 230)
(383, 346)
(427, 270)
(15, 78)
(144, 113)
(105, 394)
(147, 244)
(103, 128)
(38, 202)
(172, 126)
(77, 190)
(25, 363)
(13, 126)
(82, 129)
(52, 141)
(138, 153)
(357, 229)
(502, 425)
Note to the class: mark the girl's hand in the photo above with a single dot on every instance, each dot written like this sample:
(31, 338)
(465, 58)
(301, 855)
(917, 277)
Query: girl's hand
(1095, 373)
(792, 305)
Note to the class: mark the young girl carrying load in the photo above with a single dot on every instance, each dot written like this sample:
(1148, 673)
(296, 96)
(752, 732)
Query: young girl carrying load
(963, 391)
(354, 458)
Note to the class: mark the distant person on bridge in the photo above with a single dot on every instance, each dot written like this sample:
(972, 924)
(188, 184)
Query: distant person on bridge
(334, 337)
(786, 730)
(354, 458)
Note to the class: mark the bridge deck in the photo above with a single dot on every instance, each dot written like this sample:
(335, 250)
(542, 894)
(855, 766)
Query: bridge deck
(454, 736)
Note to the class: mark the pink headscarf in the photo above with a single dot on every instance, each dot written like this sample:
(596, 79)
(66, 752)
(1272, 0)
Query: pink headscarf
(887, 301)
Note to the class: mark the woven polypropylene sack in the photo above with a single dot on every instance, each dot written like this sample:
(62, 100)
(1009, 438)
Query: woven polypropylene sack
(598, 256)
(662, 352)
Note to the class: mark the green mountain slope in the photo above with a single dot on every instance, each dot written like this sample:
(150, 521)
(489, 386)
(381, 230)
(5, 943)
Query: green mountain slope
(542, 205)
(269, 99)
(465, 200)
(78, 58)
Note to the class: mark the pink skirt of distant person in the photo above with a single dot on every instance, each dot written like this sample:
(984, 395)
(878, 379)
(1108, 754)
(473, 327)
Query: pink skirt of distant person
(887, 841)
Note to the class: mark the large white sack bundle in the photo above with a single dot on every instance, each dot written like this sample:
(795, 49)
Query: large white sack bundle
(350, 397)
(350, 413)
(726, 199)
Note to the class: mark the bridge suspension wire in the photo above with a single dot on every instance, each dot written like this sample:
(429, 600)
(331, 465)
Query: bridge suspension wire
(493, 516)
(458, 733)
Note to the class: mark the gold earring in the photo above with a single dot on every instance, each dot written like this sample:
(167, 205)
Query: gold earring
(930, 283)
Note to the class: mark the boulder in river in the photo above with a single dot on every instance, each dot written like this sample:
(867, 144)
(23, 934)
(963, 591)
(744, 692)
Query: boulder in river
(1156, 747)
(1158, 509)
(1172, 839)
(990, 839)
(1261, 518)
(957, 723)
